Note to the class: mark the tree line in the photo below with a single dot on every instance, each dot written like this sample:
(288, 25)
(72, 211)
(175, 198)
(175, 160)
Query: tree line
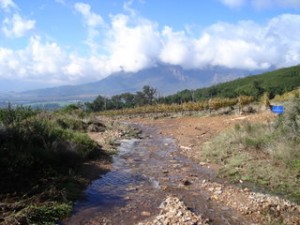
(273, 83)
(126, 100)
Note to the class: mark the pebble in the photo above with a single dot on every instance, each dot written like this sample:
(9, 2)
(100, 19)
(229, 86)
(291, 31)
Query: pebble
(218, 192)
(146, 213)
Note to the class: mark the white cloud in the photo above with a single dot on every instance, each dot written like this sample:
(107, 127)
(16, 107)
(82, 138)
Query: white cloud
(262, 4)
(176, 47)
(132, 47)
(36, 61)
(92, 21)
(17, 26)
(234, 3)
(47, 61)
(7, 5)
(132, 43)
(127, 8)
(244, 45)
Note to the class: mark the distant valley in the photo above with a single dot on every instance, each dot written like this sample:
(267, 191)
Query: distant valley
(165, 78)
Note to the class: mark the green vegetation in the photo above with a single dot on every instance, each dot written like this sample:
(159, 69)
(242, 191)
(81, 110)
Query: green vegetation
(49, 213)
(126, 100)
(213, 104)
(265, 154)
(273, 83)
(40, 153)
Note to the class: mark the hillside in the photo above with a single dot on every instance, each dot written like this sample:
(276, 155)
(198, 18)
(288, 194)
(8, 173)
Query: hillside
(274, 82)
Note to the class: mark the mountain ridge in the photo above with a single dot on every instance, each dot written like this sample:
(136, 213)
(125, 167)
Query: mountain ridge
(167, 79)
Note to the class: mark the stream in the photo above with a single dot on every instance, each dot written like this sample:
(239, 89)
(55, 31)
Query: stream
(144, 172)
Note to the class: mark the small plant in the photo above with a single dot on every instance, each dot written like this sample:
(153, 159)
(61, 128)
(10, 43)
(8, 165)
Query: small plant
(48, 214)
(289, 122)
(265, 100)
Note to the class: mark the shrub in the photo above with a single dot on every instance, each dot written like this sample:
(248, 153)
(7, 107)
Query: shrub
(289, 122)
(48, 214)
(11, 116)
(33, 144)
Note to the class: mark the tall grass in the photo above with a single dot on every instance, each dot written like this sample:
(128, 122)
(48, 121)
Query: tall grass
(43, 141)
(267, 154)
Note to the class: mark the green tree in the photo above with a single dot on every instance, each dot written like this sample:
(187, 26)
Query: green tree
(98, 104)
(140, 98)
(149, 94)
(253, 89)
(128, 100)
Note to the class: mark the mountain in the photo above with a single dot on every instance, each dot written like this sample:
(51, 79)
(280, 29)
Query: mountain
(165, 78)
(275, 82)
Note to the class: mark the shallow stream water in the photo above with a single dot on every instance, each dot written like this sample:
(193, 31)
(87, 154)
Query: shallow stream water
(144, 173)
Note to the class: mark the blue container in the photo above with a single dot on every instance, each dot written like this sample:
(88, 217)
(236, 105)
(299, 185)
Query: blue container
(278, 109)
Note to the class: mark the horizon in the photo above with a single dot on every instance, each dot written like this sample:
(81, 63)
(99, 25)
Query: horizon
(65, 42)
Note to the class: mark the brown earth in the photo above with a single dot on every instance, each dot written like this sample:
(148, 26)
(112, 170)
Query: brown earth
(192, 132)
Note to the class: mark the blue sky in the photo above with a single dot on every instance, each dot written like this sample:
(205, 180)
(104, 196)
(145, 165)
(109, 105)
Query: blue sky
(57, 42)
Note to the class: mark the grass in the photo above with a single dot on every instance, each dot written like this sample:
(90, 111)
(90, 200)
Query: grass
(41, 154)
(47, 202)
(267, 155)
(46, 214)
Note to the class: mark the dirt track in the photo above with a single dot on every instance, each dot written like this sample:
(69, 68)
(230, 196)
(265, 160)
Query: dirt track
(167, 184)
(192, 132)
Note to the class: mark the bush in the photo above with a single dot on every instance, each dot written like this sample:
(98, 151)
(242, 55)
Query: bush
(12, 116)
(289, 122)
(41, 152)
(48, 214)
(32, 144)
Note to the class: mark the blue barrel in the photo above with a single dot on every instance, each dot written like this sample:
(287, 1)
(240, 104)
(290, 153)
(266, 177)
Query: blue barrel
(278, 109)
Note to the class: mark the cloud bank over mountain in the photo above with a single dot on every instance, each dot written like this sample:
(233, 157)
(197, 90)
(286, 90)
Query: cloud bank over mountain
(130, 42)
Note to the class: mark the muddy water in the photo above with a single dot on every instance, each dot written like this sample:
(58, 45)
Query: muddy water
(144, 172)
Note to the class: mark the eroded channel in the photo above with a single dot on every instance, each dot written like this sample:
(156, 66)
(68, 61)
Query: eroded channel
(144, 173)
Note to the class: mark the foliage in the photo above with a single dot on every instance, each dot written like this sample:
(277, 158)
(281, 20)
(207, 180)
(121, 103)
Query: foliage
(46, 214)
(289, 122)
(126, 100)
(40, 146)
(287, 96)
(43, 141)
(212, 104)
(275, 83)
(13, 116)
(265, 100)
(217, 103)
(243, 90)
